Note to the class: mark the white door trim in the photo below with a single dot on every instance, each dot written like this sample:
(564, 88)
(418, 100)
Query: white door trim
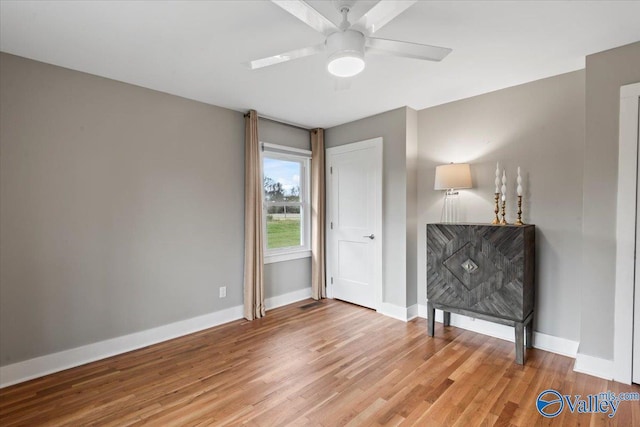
(626, 233)
(369, 143)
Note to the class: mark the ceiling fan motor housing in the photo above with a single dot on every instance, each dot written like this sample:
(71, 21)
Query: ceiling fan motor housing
(346, 53)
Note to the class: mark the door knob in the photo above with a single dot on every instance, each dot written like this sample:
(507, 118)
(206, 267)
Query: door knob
(371, 236)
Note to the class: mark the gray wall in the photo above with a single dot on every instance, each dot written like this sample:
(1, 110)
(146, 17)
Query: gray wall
(538, 126)
(412, 207)
(122, 208)
(282, 134)
(286, 276)
(605, 73)
(392, 127)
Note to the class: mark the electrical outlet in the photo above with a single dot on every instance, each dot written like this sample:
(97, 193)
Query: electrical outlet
(223, 291)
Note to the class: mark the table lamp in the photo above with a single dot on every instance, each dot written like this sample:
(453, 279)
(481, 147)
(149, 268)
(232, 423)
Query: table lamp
(450, 178)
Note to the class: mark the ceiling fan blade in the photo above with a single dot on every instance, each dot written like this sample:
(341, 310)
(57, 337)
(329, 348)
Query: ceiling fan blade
(307, 14)
(380, 15)
(286, 56)
(407, 49)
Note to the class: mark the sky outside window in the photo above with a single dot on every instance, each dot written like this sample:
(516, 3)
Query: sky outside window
(285, 172)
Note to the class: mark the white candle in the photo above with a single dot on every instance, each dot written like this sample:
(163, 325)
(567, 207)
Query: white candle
(504, 185)
(497, 177)
(519, 183)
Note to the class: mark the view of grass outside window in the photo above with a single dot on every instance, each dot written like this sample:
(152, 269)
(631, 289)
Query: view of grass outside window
(283, 202)
(282, 232)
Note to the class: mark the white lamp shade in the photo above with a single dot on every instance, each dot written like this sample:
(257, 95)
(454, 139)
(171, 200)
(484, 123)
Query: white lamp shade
(454, 175)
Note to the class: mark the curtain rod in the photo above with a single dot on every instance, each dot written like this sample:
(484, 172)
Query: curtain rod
(269, 119)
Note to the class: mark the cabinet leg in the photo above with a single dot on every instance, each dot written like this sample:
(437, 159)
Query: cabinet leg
(520, 343)
(530, 334)
(431, 318)
(446, 318)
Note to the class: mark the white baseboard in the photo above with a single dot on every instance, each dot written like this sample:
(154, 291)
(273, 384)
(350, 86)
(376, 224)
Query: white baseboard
(412, 311)
(422, 311)
(50, 363)
(397, 312)
(590, 365)
(55, 362)
(541, 341)
(392, 310)
(401, 313)
(291, 297)
(554, 344)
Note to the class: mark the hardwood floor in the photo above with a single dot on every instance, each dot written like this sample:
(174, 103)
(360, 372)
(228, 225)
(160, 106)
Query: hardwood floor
(313, 363)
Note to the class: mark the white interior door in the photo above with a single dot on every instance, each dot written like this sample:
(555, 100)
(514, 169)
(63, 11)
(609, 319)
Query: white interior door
(354, 229)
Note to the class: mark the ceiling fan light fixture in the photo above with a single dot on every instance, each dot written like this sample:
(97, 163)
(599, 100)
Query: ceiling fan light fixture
(346, 65)
(346, 53)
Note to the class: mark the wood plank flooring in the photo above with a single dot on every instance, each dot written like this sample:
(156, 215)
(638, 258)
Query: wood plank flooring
(311, 363)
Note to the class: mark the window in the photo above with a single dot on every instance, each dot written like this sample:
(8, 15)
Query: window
(285, 177)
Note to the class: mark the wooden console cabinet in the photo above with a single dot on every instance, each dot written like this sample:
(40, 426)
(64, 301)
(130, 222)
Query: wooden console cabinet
(485, 272)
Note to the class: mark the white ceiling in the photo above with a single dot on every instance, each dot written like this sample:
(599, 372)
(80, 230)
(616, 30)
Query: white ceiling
(196, 49)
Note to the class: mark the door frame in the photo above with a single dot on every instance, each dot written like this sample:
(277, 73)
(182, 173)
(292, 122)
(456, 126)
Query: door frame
(626, 214)
(376, 144)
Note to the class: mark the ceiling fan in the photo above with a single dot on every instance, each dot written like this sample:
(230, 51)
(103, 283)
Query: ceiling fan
(347, 43)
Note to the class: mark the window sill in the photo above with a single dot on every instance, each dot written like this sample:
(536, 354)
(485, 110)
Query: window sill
(270, 259)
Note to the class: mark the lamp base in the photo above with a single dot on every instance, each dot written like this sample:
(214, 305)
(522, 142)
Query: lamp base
(450, 207)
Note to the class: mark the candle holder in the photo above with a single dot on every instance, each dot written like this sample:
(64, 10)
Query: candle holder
(519, 220)
(503, 190)
(504, 221)
(496, 210)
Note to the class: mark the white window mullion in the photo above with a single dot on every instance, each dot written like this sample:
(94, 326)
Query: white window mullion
(284, 203)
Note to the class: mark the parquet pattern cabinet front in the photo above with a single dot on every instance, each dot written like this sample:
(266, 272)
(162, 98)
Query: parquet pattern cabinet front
(483, 271)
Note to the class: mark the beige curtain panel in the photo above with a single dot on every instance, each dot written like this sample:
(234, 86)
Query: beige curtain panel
(317, 215)
(253, 233)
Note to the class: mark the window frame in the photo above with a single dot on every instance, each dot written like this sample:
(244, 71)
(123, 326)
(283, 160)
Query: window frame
(281, 152)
